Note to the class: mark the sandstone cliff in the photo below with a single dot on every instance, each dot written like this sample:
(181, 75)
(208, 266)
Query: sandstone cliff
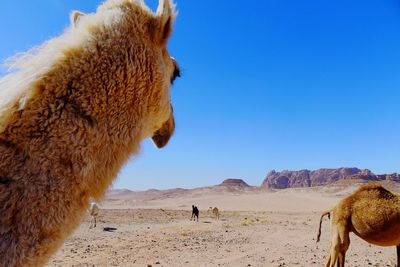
(307, 178)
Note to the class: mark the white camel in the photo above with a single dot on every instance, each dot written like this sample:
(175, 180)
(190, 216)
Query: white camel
(94, 212)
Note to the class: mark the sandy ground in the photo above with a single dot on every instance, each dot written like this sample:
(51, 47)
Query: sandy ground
(269, 229)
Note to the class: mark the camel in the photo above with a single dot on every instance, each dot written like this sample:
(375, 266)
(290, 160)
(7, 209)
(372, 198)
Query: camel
(214, 211)
(195, 213)
(72, 112)
(93, 212)
(372, 213)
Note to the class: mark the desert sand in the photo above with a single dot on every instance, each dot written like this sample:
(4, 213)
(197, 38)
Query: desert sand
(273, 228)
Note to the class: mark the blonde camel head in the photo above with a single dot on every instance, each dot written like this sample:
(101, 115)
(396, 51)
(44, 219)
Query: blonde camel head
(372, 213)
(71, 114)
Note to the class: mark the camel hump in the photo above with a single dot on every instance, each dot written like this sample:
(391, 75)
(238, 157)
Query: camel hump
(373, 187)
(371, 191)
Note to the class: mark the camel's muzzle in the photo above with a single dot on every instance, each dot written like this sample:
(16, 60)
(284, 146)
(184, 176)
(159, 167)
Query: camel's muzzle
(162, 135)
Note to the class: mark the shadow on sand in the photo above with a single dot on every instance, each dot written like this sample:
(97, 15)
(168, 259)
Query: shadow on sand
(109, 229)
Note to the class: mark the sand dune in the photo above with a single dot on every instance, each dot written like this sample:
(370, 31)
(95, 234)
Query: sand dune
(289, 201)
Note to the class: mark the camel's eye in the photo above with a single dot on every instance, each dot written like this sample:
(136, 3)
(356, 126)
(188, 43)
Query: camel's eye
(176, 73)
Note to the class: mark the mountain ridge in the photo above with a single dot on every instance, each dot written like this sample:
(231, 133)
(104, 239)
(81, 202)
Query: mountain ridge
(321, 177)
(274, 181)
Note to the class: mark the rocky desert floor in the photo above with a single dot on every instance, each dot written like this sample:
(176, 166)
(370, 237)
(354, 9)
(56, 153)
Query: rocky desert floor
(167, 237)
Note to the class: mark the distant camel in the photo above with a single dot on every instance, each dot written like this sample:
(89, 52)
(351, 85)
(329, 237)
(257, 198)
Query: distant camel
(195, 213)
(94, 212)
(215, 212)
(372, 213)
(72, 112)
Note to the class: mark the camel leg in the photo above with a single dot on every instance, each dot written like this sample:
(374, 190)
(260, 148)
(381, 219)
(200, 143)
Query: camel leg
(344, 246)
(91, 221)
(95, 221)
(341, 260)
(343, 243)
(335, 247)
(329, 261)
(333, 258)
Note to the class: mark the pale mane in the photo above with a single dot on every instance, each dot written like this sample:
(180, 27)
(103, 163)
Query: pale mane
(24, 69)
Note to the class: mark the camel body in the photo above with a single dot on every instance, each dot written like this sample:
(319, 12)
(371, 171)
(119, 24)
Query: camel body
(382, 228)
(372, 213)
(214, 211)
(195, 213)
(93, 212)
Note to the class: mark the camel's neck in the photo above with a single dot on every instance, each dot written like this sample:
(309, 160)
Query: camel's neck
(50, 165)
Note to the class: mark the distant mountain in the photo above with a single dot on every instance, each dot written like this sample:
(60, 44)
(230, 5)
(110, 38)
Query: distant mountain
(234, 183)
(228, 186)
(341, 178)
(321, 177)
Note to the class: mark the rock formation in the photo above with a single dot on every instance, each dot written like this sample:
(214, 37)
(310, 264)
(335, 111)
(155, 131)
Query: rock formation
(307, 178)
(234, 182)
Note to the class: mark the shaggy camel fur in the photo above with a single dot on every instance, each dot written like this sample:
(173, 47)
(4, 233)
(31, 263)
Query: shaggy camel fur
(215, 212)
(93, 212)
(372, 213)
(71, 114)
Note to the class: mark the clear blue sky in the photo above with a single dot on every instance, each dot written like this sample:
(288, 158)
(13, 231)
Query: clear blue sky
(274, 84)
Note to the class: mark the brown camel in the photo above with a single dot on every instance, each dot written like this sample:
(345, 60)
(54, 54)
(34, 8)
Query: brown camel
(71, 114)
(372, 213)
(214, 211)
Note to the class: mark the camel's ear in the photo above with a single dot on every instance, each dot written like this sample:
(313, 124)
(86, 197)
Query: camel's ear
(161, 28)
(75, 16)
